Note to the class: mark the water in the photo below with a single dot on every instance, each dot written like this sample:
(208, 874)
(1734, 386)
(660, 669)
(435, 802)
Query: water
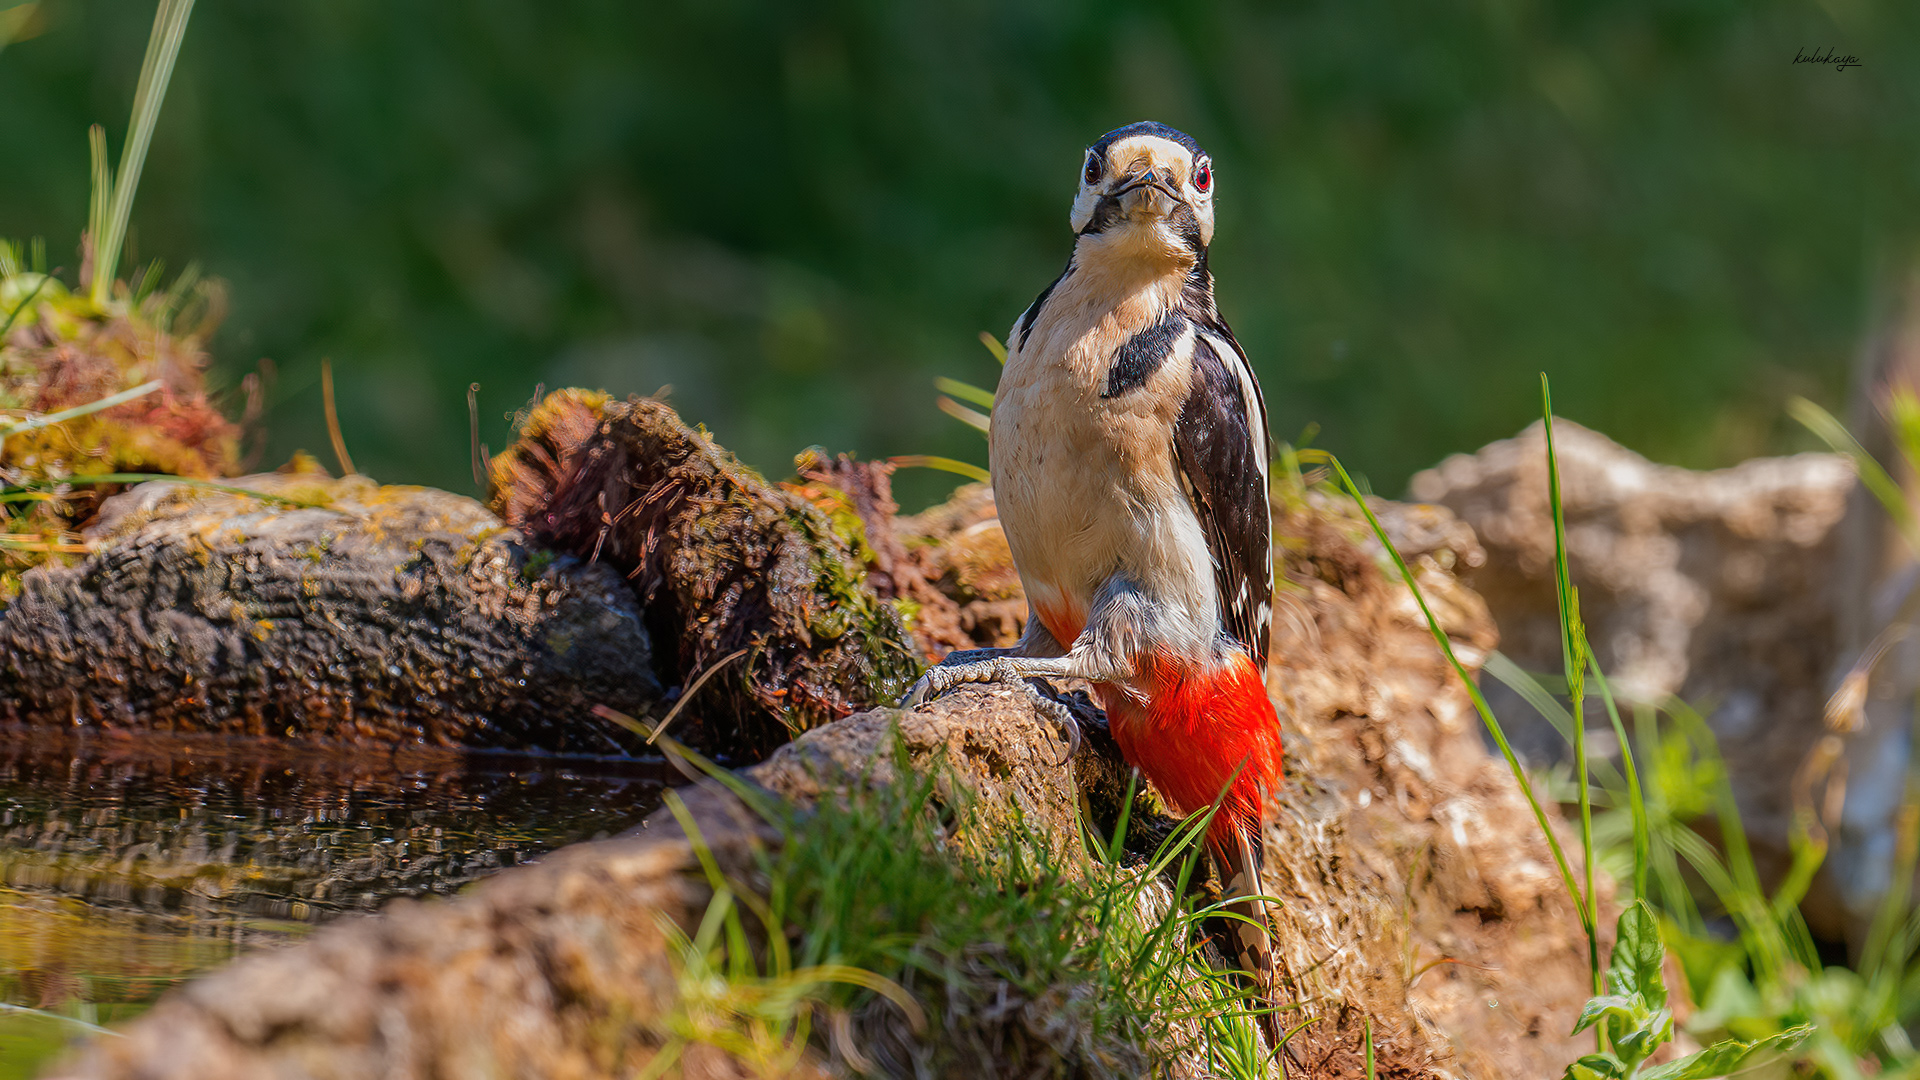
(127, 866)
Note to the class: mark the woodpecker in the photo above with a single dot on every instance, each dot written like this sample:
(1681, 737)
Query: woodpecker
(1130, 463)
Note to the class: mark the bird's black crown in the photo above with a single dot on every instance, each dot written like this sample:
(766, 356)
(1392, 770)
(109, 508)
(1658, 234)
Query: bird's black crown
(1146, 127)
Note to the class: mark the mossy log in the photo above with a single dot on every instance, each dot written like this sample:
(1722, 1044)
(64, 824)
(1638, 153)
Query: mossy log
(333, 609)
(1419, 899)
(295, 605)
(733, 573)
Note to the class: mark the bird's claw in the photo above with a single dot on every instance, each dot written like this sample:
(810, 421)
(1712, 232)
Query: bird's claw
(945, 676)
(1044, 700)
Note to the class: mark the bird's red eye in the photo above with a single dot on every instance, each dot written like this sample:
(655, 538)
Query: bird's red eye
(1203, 178)
(1092, 172)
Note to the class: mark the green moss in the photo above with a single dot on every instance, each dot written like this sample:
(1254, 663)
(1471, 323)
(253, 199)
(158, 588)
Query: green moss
(316, 552)
(890, 662)
(537, 563)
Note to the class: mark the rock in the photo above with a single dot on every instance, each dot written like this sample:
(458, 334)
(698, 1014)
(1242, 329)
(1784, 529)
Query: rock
(729, 569)
(1013, 764)
(1419, 897)
(1738, 590)
(332, 609)
(1419, 891)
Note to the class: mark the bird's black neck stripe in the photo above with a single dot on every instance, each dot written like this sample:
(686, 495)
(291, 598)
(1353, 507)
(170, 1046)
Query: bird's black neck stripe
(1196, 293)
(1107, 213)
(1142, 354)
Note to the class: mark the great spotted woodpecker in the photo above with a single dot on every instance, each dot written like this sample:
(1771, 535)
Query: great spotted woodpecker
(1130, 467)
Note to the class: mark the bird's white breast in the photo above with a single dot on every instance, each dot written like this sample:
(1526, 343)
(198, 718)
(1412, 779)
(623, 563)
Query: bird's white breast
(1087, 486)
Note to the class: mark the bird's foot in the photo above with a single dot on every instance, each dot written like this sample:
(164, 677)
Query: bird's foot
(980, 666)
(995, 665)
(960, 667)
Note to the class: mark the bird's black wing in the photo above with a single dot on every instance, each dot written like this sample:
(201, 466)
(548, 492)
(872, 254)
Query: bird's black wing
(1220, 441)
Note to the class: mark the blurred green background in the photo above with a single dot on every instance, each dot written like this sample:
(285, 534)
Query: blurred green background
(797, 214)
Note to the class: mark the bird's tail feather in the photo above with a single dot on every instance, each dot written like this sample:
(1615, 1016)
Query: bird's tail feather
(1242, 860)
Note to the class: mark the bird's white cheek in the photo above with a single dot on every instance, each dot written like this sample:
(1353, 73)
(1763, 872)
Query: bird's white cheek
(1083, 209)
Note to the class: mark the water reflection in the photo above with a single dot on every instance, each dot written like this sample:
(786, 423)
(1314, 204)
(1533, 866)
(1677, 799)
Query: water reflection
(127, 866)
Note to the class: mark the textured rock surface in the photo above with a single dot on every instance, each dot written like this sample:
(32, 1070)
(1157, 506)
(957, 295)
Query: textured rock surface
(393, 614)
(1691, 583)
(1418, 888)
(1418, 894)
(1743, 591)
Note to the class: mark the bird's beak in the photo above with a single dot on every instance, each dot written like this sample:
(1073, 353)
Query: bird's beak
(1144, 193)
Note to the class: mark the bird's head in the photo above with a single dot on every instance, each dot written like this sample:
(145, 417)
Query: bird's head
(1146, 191)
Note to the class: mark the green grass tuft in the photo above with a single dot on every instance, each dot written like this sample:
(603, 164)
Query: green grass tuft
(871, 934)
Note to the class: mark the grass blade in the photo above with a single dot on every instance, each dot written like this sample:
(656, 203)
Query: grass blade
(100, 201)
(1642, 835)
(1772, 944)
(340, 455)
(964, 391)
(1473, 689)
(34, 423)
(188, 481)
(1522, 682)
(1872, 475)
(7, 327)
(1534, 693)
(1572, 644)
(970, 417)
(156, 71)
(944, 464)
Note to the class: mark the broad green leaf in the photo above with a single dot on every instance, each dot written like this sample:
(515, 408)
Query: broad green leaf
(1724, 1057)
(1616, 1007)
(1637, 957)
(1596, 1067)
